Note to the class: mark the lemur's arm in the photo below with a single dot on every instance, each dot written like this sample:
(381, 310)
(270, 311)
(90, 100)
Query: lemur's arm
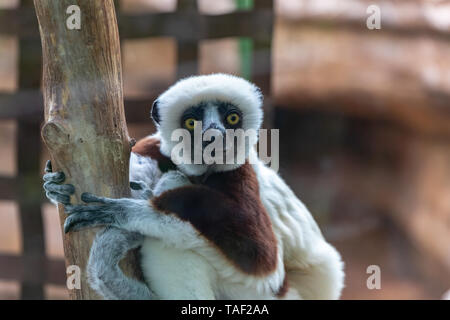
(108, 248)
(132, 215)
(224, 210)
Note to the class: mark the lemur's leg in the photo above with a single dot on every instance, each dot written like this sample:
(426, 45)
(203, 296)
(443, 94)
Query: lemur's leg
(135, 215)
(105, 276)
(322, 278)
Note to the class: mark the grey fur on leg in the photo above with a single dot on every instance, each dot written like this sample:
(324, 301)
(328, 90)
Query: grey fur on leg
(105, 276)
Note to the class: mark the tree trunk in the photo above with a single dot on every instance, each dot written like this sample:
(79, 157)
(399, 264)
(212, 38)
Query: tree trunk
(85, 127)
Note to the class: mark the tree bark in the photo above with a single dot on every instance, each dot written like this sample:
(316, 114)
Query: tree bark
(85, 127)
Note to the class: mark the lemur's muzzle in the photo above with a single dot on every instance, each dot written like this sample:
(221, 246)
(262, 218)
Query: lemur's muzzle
(212, 133)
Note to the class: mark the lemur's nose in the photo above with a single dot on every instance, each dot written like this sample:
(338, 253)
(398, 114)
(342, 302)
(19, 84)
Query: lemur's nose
(212, 132)
(216, 127)
(212, 126)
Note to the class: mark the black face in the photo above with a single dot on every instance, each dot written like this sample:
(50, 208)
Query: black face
(213, 114)
(216, 115)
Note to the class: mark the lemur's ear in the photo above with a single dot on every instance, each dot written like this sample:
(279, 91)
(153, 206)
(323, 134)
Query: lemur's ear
(155, 112)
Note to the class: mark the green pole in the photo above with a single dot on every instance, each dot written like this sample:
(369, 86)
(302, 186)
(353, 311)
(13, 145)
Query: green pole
(245, 44)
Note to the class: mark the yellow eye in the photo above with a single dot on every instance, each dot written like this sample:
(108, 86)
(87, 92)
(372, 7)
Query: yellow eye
(190, 123)
(233, 119)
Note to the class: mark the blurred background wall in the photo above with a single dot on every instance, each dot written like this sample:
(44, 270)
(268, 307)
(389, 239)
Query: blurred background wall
(363, 115)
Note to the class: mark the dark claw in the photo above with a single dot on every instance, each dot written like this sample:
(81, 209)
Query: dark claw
(48, 166)
(73, 227)
(86, 219)
(73, 223)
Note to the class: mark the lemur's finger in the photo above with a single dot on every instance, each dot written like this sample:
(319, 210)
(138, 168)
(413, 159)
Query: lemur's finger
(57, 197)
(57, 177)
(89, 197)
(48, 166)
(75, 224)
(76, 209)
(65, 189)
(86, 219)
(73, 227)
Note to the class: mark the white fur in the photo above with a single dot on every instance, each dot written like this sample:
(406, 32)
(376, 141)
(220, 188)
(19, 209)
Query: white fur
(179, 263)
(314, 268)
(144, 169)
(193, 90)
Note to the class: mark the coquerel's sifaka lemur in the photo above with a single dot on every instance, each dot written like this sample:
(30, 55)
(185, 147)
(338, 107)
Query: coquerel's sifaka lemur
(230, 230)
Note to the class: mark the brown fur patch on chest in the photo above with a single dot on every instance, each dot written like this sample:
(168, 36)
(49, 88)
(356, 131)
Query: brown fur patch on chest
(227, 210)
